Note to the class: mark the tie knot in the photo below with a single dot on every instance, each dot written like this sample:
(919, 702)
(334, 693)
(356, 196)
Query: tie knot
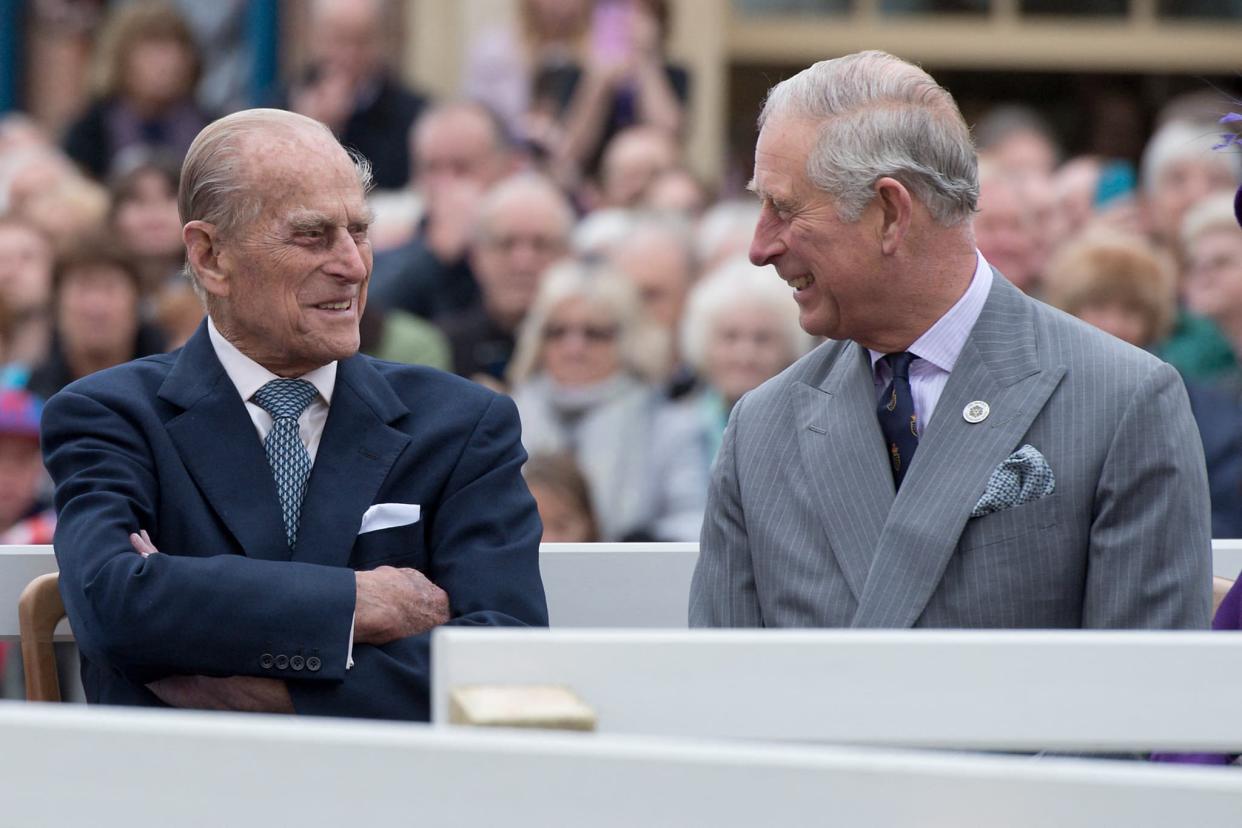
(899, 364)
(285, 397)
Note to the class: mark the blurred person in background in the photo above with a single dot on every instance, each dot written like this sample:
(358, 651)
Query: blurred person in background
(525, 73)
(627, 81)
(26, 514)
(1005, 229)
(523, 227)
(143, 218)
(583, 377)
(634, 160)
(1090, 190)
(347, 86)
(146, 69)
(1178, 170)
(1212, 245)
(67, 211)
(563, 496)
(96, 311)
(677, 190)
(724, 231)
(657, 256)
(26, 287)
(1017, 139)
(1123, 285)
(739, 330)
(461, 149)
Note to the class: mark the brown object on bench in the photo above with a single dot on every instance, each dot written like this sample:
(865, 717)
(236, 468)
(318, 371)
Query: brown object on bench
(39, 610)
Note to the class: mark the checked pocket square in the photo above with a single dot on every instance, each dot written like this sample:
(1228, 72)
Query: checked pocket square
(1022, 477)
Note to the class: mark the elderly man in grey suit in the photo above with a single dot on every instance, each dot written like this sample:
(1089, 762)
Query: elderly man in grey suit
(957, 454)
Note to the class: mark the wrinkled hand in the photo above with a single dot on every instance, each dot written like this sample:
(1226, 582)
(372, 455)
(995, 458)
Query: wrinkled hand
(396, 603)
(245, 693)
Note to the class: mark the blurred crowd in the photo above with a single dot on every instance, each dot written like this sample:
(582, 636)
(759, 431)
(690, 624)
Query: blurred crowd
(542, 233)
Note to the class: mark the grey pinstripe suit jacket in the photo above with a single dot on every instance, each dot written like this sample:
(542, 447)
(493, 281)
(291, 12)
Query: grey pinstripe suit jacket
(803, 529)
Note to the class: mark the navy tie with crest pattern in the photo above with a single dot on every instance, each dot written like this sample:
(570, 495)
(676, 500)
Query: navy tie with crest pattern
(285, 400)
(896, 414)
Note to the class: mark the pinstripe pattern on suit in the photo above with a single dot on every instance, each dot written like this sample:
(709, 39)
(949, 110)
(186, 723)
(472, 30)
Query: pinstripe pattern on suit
(803, 527)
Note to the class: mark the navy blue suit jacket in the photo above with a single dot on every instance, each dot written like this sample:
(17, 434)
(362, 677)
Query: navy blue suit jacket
(165, 444)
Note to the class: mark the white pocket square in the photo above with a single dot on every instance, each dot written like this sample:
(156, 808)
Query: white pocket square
(388, 515)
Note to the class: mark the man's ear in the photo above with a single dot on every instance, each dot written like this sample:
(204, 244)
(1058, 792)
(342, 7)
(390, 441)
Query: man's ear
(202, 250)
(896, 211)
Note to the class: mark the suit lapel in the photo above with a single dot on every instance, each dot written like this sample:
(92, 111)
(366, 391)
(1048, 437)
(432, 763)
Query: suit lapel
(843, 455)
(217, 442)
(998, 365)
(356, 452)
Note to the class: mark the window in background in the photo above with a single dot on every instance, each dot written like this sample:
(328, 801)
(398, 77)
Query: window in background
(1215, 9)
(1077, 8)
(899, 7)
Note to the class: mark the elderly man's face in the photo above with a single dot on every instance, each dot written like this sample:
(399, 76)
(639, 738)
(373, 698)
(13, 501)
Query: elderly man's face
(829, 263)
(297, 279)
(520, 241)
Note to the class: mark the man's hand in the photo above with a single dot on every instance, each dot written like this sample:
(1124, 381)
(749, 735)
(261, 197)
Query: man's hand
(142, 544)
(396, 603)
(245, 693)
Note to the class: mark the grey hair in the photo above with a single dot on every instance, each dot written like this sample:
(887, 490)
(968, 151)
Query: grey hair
(738, 283)
(216, 185)
(519, 188)
(881, 116)
(642, 345)
(1214, 212)
(1178, 140)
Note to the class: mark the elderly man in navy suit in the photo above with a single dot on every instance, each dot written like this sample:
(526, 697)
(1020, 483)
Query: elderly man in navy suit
(266, 520)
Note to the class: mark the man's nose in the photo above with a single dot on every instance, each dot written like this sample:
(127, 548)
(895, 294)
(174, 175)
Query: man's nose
(352, 257)
(766, 244)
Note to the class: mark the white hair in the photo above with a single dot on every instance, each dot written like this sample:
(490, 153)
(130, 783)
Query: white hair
(642, 346)
(217, 177)
(1215, 212)
(738, 284)
(722, 223)
(1181, 140)
(880, 116)
(521, 188)
(600, 230)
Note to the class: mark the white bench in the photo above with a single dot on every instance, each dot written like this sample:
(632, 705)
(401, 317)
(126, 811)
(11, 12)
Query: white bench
(1072, 691)
(587, 585)
(115, 768)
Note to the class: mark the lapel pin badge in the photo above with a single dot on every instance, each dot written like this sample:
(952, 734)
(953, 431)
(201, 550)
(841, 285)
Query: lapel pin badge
(976, 412)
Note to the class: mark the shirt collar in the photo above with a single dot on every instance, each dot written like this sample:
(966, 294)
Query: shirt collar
(942, 343)
(249, 376)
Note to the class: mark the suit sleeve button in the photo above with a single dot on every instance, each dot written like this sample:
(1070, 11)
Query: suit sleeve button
(282, 661)
(297, 662)
(266, 661)
(313, 664)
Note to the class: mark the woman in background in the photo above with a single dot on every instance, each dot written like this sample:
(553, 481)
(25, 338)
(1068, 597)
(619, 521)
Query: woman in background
(583, 378)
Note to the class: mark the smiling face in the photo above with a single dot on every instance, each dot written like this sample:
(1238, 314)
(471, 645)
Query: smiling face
(748, 344)
(292, 285)
(832, 265)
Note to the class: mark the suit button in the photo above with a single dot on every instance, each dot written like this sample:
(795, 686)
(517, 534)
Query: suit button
(297, 663)
(313, 664)
(266, 661)
(282, 661)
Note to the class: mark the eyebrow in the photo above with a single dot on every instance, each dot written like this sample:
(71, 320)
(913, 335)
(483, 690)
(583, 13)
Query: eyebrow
(303, 219)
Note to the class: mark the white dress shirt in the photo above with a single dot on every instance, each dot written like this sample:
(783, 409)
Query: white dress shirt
(249, 376)
(939, 347)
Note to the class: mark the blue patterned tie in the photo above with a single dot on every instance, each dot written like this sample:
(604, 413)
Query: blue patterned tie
(897, 418)
(285, 400)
